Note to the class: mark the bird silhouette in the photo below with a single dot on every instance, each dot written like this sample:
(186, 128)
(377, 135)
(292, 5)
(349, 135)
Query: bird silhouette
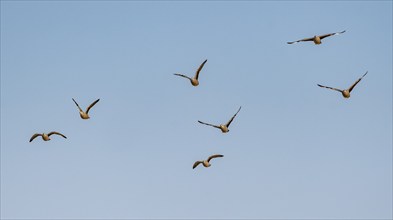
(206, 163)
(317, 39)
(194, 81)
(346, 92)
(222, 127)
(85, 115)
(45, 137)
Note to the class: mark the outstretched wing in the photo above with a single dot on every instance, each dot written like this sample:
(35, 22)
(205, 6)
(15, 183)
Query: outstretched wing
(55, 132)
(305, 39)
(199, 69)
(196, 164)
(216, 126)
(230, 121)
(329, 88)
(178, 74)
(353, 85)
(77, 105)
(34, 136)
(214, 156)
(91, 105)
(331, 34)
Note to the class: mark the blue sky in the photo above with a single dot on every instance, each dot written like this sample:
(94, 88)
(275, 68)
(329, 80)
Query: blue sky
(294, 151)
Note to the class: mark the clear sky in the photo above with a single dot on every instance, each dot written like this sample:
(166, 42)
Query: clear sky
(294, 151)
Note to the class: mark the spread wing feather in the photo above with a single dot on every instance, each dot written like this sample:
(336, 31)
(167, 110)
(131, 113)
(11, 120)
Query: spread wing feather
(214, 156)
(327, 87)
(196, 164)
(34, 136)
(199, 69)
(77, 105)
(331, 34)
(353, 85)
(216, 126)
(178, 74)
(305, 39)
(91, 105)
(230, 121)
(55, 132)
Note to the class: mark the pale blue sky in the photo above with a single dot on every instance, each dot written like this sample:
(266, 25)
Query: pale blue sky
(294, 151)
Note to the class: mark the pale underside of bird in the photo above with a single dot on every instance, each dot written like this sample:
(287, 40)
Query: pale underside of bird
(206, 163)
(223, 127)
(317, 39)
(346, 92)
(85, 114)
(46, 137)
(194, 81)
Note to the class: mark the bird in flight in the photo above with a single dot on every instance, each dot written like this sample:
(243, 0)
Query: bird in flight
(45, 136)
(194, 81)
(223, 127)
(85, 115)
(317, 39)
(345, 92)
(206, 163)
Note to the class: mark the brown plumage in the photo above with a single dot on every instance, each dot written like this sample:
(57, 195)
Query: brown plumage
(316, 39)
(194, 81)
(346, 92)
(222, 127)
(45, 136)
(206, 163)
(85, 115)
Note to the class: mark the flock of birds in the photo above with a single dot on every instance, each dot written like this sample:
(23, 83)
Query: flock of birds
(195, 82)
(83, 114)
